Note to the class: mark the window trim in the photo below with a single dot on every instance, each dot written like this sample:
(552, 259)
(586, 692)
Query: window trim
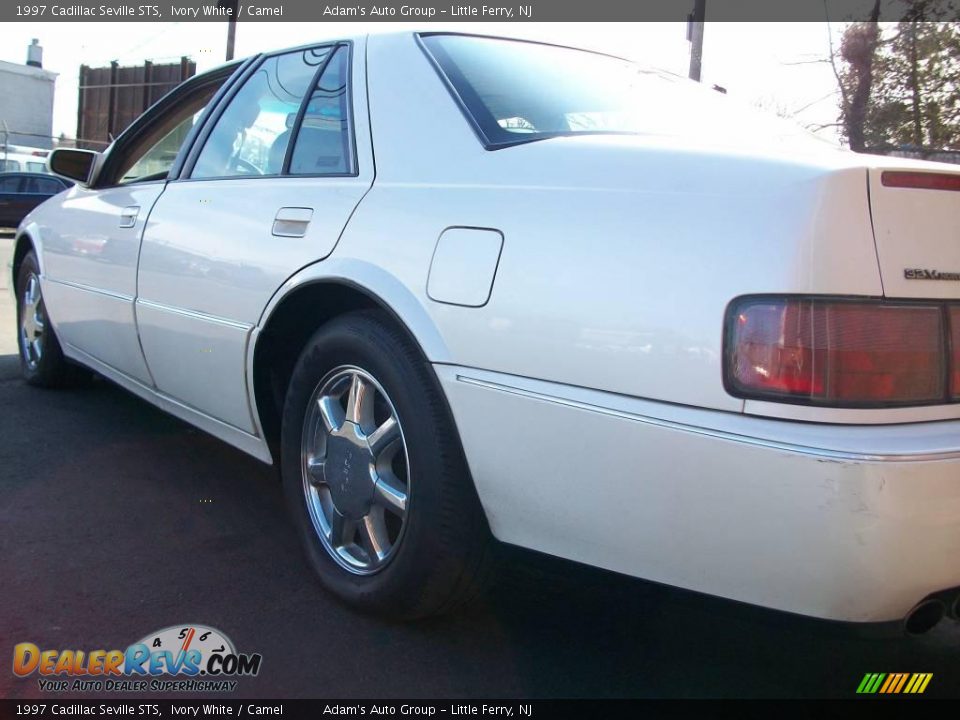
(216, 112)
(158, 110)
(451, 88)
(226, 88)
(488, 144)
(301, 113)
(186, 174)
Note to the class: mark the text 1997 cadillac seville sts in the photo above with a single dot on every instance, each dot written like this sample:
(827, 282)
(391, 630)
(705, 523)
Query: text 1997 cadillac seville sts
(464, 288)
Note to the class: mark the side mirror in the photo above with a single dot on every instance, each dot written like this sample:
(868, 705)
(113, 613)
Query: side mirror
(76, 165)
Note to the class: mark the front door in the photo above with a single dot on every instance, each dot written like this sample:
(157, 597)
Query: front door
(269, 191)
(91, 255)
(90, 272)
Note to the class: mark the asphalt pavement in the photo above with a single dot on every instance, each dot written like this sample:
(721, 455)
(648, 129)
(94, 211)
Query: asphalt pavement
(117, 520)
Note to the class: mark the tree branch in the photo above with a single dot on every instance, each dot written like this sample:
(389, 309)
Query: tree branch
(814, 102)
(815, 61)
(833, 61)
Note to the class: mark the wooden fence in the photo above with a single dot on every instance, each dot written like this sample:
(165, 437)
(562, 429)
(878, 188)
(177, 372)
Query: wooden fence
(113, 97)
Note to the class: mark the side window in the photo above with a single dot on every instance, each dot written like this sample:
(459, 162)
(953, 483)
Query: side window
(9, 166)
(324, 141)
(150, 154)
(252, 135)
(10, 184)
(46, 186)
(155, 163)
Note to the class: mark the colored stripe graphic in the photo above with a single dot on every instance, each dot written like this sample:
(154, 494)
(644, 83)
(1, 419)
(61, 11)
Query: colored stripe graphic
(918, 683)
(892, 679)
(894, 683)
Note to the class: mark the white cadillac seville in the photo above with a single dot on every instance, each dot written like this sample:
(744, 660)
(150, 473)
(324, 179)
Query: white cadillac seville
(462, 288)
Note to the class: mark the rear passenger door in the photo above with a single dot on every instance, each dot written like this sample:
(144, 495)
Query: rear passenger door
(267, 189)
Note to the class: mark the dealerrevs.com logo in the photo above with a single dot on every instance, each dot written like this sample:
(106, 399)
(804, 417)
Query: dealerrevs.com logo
(180, 658)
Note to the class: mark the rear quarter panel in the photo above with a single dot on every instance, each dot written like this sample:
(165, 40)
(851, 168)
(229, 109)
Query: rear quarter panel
(619, 255)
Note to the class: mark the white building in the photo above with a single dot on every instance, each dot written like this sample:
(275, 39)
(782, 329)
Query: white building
(26, 102)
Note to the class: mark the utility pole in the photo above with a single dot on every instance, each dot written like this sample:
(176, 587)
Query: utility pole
(232, 5)
(231, 36)
(695, 22)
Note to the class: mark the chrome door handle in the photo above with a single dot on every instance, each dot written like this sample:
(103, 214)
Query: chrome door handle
(128, 216)
(292, 221)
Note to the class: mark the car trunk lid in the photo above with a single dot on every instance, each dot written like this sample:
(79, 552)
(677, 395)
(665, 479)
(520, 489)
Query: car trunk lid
(915, 208)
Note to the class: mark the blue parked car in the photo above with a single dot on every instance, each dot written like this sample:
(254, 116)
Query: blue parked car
(22, 192)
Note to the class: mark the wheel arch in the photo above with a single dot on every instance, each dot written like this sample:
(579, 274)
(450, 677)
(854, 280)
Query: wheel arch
(304, 303)
(23, 244)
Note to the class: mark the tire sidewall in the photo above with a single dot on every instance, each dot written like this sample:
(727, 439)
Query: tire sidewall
(30, 266)
(360, 340)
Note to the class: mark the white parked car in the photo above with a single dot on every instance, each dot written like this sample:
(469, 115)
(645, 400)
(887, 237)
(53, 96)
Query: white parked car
(19, 161)
(462, 287)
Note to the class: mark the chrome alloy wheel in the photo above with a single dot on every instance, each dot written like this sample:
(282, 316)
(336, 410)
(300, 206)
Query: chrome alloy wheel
(33, 322)
(356, 471)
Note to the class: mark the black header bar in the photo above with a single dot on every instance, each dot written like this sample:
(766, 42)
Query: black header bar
(452, 11)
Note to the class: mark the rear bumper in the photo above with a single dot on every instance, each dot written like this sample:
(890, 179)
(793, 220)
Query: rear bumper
(849, 523)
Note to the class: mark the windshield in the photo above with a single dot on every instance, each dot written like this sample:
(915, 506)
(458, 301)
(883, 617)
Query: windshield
(518, 91)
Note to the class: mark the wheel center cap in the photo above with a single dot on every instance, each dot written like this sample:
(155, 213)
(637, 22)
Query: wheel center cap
(347, 470)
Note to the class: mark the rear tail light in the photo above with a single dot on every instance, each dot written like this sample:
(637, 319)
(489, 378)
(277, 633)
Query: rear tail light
(842, 353)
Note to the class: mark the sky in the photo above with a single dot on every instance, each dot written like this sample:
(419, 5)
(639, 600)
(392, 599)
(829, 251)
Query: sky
(776, 66)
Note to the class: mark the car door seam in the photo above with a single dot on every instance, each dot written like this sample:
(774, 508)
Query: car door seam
(136, 284)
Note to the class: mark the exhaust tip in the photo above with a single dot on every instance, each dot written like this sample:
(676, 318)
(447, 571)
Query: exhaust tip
(925, 616)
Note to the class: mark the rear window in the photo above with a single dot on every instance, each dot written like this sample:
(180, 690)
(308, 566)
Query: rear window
(517, 91)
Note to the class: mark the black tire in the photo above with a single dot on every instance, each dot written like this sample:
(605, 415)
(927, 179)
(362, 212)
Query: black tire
(445, 554)
(51, 369)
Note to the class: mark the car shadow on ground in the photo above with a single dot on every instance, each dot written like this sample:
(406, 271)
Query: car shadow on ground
(117, 519)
